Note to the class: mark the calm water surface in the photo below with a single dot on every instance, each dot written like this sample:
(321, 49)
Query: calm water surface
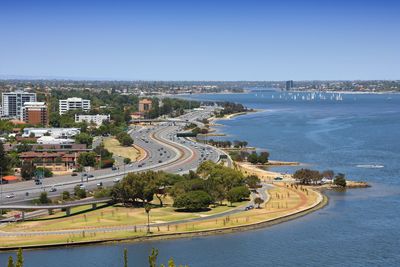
(358, 136)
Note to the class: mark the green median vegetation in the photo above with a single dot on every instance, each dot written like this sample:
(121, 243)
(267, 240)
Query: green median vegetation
(211, 184)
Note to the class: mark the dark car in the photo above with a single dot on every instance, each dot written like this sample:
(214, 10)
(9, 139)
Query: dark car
(249, 207)
(114, 168)
(74, 174)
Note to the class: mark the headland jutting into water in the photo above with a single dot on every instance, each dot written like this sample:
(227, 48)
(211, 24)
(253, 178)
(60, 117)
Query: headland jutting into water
(282, 201)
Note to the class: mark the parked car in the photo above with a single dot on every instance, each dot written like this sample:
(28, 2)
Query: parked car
(114, 168)
(90, 176)
(74, 174)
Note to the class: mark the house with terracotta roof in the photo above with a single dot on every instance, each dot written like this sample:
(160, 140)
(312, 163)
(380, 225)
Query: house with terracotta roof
(10, 179)
(55, 161)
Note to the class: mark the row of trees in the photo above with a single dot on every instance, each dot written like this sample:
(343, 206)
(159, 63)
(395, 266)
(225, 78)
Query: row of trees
(28, 171)
(254, 157)
(258, 158)
(307, 176)
(230, 108)
(210, 184)
(228, 144)
(222, 144)
(198, 130)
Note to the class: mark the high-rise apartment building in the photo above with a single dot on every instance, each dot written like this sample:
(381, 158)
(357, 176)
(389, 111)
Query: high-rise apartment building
(73, 103)
(34, 113)
(289, 85)
(12, 102)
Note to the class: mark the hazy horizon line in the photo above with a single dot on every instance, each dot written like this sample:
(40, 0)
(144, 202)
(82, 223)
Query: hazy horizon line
(74, 78)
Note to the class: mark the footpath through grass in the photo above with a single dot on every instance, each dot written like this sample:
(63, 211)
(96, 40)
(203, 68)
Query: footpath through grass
(284, 200)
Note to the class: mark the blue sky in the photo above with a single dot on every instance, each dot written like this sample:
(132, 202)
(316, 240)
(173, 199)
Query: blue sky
(201, 40)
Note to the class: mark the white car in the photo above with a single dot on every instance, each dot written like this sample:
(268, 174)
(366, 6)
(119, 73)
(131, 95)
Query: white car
(116, 180)
(10, 195)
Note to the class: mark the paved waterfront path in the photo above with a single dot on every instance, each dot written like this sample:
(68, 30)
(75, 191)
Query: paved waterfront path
(262, 192)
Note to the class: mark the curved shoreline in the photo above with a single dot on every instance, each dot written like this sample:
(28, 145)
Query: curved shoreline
(320, 203)
(201, 233)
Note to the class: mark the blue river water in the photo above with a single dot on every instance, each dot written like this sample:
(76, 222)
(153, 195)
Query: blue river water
(357, 134)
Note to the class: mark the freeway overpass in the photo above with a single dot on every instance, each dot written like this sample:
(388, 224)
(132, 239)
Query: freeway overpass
(158, 120)
(50, 207)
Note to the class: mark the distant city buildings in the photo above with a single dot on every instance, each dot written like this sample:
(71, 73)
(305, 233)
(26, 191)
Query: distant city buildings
(12, 102)
(289, 85)
(73, 103)
(97, 119)
(34, 113)
(145, 105)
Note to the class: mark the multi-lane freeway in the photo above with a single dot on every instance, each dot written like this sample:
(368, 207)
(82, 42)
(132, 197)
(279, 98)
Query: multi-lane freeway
(164, 151)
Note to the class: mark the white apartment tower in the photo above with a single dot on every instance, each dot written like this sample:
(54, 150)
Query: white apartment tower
(12, 102)
(73, 103)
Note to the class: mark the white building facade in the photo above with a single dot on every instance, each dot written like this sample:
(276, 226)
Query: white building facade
(12, 102)
(73, 103)
(53, 132)
(97, 119)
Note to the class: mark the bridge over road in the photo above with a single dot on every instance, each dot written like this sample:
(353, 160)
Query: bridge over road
(50, 207)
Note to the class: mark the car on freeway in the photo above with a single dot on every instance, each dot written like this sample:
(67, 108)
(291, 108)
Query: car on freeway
(114, 168)
(116, 180)
(160, 161)
(249, 207)
(180, 169)
(81, 186)
(12, 195)
(90, 176)
(100, 185)
(53, 189)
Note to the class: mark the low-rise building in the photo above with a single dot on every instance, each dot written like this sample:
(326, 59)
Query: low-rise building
(97, 119)
(34, 113)
(73, 103)
(53, 132)
(50, 140)
(60, 147)
(145, 105)
(55, 161)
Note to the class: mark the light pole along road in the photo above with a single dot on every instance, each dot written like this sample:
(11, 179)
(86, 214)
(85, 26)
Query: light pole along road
(164, 151)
